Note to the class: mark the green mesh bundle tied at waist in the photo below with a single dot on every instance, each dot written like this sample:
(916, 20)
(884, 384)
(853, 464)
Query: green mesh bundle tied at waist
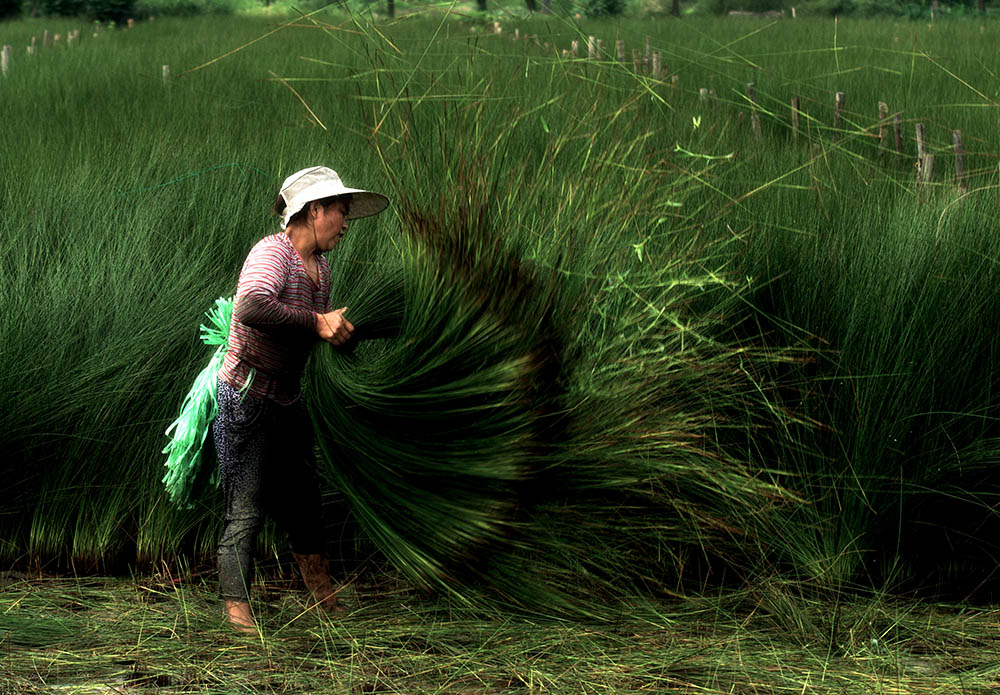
(188, 432)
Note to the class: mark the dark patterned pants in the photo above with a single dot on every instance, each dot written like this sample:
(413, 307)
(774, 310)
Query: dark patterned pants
(267, 467)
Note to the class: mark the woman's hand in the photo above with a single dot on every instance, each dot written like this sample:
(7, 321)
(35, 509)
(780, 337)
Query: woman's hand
(333, 327)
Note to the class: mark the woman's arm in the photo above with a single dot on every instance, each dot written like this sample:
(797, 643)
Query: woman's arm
(264, 275)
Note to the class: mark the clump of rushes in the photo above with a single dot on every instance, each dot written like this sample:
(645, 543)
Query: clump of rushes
(906, 379)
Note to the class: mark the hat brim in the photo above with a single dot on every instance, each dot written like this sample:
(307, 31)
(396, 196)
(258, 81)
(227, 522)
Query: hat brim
(365, 203)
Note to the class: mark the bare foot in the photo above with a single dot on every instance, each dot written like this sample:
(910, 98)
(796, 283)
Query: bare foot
(331, 606)
(240, 617)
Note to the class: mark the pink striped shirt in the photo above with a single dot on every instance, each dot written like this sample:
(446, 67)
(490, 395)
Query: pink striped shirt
(273, 325)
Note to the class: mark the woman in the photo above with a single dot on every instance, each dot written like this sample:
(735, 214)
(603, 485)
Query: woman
(262, 432)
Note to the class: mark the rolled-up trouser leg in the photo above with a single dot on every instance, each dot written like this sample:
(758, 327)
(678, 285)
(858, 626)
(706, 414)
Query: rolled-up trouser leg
(240, 434)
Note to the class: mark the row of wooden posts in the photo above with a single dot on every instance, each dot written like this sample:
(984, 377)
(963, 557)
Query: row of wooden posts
(650, 62)
(49, 39)
(925, 161)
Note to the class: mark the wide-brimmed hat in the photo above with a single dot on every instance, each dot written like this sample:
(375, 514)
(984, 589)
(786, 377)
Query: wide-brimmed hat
(316, 183)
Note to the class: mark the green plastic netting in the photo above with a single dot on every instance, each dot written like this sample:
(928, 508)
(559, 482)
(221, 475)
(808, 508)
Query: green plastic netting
(188, 432)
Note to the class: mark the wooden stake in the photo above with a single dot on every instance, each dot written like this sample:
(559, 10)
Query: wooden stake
(703, 94)
(921, 154)
(46, 39)
(636, 61)
(883, 124)
(796, 108)
(5, 56)
(897, 126)
(754, 118)
(574, 48)
(928, 168)
(647, 59)
(675, 80)
(921, 143)
(657, 65)
(131, 23)
(620, 50)
(600, 49)
(838, 107)
(591, 48)
(166, 74)
(960, 181)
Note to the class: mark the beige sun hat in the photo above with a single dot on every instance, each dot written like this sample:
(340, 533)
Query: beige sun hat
(316, 183)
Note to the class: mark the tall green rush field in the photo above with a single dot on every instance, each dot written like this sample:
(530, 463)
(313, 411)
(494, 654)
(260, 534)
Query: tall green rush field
(617, 343)
(893, 287)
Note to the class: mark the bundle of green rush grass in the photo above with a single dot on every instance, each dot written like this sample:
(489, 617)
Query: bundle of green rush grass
(565, 418)
(527, 431)
(188, 432)
(430, 434)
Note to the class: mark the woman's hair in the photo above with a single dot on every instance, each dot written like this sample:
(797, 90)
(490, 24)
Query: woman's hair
(300, 216)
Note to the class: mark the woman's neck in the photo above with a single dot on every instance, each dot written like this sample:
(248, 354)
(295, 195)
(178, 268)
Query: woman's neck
(303, 239)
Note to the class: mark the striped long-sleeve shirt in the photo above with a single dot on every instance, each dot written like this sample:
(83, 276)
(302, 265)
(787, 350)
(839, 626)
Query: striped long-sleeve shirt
(273, 325)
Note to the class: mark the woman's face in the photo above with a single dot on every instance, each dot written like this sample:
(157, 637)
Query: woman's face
(330, 225)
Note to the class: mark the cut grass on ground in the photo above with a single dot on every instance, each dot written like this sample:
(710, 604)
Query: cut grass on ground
(157, 634)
